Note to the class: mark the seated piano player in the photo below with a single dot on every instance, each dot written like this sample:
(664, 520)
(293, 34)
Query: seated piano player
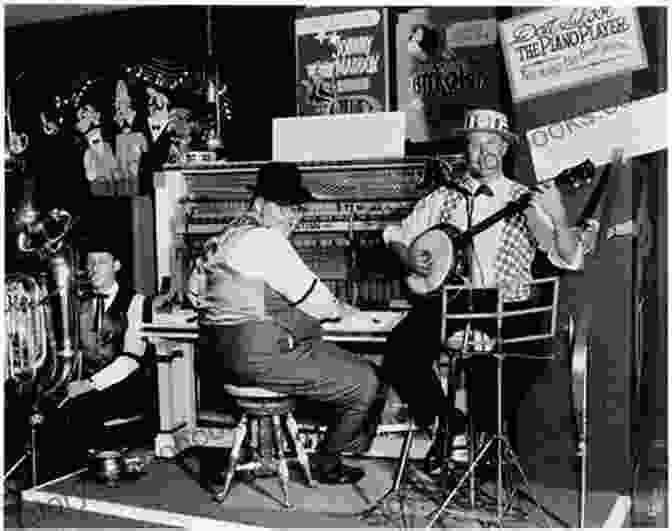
(260, 309)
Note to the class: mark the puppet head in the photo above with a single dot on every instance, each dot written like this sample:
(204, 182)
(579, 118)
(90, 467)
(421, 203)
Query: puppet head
(94, 138)
(157, 107)
(87, 118)
(124, 114)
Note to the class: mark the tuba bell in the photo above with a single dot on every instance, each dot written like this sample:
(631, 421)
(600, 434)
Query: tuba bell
(25, 326)
(41, 316)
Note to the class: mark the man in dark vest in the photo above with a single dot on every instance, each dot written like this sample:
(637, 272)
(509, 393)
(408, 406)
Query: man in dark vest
(114, 381)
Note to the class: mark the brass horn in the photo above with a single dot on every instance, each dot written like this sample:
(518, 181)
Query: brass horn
(41, 316)
(25, 324)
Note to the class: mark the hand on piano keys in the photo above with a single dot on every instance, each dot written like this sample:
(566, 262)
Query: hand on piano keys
(363, 321)
(347, 310)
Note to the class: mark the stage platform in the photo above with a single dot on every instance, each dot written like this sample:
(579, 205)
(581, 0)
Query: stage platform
(176, 493)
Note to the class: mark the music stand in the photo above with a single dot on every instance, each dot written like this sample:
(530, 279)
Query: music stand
(489, 305)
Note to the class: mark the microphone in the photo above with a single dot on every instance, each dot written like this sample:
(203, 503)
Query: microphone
(455, 185)
(457, 180)
(444, 170)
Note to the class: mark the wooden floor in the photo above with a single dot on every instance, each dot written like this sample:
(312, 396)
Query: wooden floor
(178, 494)
(650, 499)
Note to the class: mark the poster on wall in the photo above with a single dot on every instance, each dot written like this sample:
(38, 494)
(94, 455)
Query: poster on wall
(341, 61)
(554, 49)
(447, 60)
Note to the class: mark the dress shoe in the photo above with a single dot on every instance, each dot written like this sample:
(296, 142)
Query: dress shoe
(433, 461)
(340, 474)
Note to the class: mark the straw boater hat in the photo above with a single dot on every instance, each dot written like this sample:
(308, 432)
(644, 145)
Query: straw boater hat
(487, 121)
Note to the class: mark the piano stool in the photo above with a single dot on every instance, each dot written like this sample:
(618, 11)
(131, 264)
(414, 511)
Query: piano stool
(254, 439)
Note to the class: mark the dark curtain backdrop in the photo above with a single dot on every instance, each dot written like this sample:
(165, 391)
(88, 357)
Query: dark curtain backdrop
(254, 46)
(609, 284)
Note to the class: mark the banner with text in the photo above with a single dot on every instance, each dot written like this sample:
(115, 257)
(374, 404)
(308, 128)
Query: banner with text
(639, 127)
(342, 61)
(554, 49)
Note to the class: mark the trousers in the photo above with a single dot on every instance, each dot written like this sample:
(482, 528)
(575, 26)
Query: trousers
(66, 434)
(345, 388)
(414, 347)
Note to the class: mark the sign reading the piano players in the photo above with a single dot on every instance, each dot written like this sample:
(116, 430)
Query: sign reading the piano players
(341, 60)
(555, 49)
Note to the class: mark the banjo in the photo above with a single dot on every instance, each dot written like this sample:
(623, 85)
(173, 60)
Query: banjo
(448, 245)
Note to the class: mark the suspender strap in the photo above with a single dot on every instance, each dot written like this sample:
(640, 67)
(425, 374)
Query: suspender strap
(147, 313)
(306, 294)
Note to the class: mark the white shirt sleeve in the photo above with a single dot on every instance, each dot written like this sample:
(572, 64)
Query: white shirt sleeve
(425, 214)
(544, 232)
(267, 254)
(123, 366)
(197, 284)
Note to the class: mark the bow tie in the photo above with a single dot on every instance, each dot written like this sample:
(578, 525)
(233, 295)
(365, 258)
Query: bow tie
(465, 190)
(484, 189)
(97, 296)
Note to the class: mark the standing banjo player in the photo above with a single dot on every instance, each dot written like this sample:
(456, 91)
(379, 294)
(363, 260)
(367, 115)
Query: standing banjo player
(501, 256)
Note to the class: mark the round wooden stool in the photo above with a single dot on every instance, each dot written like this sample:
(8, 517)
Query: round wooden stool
(261, 408)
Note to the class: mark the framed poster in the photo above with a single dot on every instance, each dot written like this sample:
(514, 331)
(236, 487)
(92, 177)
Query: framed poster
(554, 49)
(447, 61)
(342, 60)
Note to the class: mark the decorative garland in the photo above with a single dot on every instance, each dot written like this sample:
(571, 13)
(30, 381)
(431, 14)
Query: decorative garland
(160, 76)
(63, 103)
(159, 73)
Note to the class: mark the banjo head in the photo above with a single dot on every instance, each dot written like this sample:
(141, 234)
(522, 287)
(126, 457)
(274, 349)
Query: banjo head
(440, 245)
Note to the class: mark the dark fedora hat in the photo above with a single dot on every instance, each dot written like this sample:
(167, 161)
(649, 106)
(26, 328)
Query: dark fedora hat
(103, 238)
(280, 182)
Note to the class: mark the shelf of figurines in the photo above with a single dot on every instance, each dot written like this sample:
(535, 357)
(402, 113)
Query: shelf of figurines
(118, 188)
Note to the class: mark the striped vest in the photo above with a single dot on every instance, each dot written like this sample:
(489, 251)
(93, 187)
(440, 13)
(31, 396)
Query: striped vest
(228, 298)
(516, 250)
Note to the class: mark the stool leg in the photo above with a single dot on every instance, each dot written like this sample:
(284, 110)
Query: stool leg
(301, 454)
(283, 471)
(254, 436)
(238, 437)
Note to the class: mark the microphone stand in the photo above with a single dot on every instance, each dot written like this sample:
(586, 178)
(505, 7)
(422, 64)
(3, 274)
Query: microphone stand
(448, 420)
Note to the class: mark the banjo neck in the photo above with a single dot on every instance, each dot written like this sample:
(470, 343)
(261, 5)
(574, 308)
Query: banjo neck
(513, 207)
(574, 176)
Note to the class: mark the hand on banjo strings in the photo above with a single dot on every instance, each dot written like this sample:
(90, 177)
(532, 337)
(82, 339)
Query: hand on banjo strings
(420, 261)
